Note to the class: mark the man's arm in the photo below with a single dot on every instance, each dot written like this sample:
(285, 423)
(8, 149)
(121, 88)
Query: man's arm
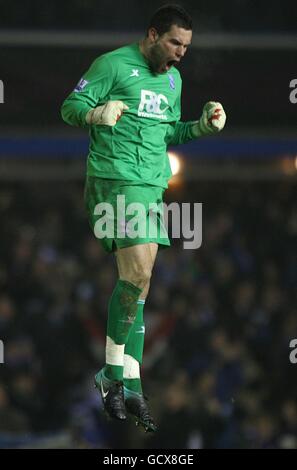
(81, 107)
(180, 133)
(212, 120)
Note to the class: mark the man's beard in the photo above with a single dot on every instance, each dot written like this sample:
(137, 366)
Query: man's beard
(157, 59)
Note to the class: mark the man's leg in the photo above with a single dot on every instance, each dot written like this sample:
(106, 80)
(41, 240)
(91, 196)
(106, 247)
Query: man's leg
(135, 266)
(135, 344)
(135, 402)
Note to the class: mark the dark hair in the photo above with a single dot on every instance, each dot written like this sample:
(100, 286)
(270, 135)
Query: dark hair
(169, 15)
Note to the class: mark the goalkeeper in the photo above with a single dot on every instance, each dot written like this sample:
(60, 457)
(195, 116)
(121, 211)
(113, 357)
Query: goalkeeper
(129, 99)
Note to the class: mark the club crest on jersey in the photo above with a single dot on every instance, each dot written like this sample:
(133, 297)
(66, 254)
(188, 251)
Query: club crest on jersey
(81, 84)
(171, 81)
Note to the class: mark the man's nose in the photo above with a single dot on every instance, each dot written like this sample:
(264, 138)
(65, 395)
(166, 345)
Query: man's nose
(180, 51)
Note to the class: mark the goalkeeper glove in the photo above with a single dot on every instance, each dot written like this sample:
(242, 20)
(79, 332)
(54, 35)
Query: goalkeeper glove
(107, 115)
(212, 120)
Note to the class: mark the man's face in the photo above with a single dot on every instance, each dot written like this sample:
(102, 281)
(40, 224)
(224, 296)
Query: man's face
(167, 50)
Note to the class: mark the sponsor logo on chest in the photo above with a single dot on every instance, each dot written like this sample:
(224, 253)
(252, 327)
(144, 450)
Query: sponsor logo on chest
(153, 105)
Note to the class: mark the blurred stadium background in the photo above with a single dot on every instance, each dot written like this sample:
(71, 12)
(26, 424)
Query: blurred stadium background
(219, 319)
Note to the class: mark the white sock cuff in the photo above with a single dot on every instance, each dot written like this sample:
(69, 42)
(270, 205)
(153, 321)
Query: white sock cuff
(114, 353)
(131, 367)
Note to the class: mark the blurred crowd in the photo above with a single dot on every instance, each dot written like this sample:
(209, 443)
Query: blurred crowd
(219, 321)
(237, 15)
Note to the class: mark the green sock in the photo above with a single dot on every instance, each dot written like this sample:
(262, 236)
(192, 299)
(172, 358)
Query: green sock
(121, 316)
(134, 347)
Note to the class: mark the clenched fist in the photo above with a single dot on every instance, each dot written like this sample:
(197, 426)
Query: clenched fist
(212, 120)
(107, 115)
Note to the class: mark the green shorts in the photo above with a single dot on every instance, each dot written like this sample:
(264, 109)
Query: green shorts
(123, 213)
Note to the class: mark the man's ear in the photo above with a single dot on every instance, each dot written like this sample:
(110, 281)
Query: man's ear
(153, 35)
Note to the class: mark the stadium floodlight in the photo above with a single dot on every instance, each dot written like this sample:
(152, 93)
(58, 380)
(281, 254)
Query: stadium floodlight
(175, 163)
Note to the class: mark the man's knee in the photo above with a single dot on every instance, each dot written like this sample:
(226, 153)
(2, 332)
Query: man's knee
(140, 277)
(145, 291)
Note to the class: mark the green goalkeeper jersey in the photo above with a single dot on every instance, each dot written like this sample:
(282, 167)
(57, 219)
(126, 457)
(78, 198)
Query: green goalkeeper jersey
(135, 149)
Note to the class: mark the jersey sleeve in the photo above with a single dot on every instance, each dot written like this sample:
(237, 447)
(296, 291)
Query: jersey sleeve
(180, 133)
(91, 91)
